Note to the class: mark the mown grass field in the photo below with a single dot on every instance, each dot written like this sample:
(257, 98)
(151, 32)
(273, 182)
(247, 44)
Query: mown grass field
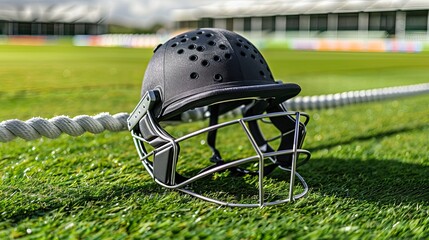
(368, 176)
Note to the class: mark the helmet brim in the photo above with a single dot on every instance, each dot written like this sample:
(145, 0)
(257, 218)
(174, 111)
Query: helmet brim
(225, 92)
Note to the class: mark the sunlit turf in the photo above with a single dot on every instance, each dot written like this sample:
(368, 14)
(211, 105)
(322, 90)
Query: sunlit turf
(368, 176)
(92, 80)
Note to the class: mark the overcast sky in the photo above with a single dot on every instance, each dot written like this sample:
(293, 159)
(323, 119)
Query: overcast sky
(147, 12)
(134, 12)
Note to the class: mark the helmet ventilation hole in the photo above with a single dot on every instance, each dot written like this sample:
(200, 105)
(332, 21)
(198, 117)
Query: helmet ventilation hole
(200, 48)
(204, 48)
(218, 77)
(205, 63)
(216, 58)
(194, 75)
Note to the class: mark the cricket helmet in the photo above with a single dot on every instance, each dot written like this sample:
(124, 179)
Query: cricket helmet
(204, 74)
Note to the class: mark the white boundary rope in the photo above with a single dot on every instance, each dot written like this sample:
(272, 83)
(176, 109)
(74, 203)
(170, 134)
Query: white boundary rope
(37, 127)
(353, 97)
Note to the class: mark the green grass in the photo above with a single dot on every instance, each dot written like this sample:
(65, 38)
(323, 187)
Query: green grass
(368, 176)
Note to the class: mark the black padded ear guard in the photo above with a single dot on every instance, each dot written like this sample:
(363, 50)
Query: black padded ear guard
(166, 150)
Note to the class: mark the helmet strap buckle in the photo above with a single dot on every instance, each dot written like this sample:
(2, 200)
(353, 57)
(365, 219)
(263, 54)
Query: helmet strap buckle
(146, 104)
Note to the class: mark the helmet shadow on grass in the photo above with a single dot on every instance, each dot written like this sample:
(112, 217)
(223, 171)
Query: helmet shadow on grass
(387, 181)
(384, 181)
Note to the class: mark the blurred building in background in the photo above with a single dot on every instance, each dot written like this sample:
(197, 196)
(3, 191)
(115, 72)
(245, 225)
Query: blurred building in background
(51, 19)
(317, 25)
(313, 18)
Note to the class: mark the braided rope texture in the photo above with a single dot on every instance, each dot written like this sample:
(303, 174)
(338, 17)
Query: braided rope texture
(37, 127)
(354, 97)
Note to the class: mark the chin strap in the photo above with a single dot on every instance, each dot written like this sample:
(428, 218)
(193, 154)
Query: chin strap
(254, 108)
(211, 136)
(286, 125)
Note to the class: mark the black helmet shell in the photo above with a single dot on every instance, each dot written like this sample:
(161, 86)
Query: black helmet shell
(207, 66)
